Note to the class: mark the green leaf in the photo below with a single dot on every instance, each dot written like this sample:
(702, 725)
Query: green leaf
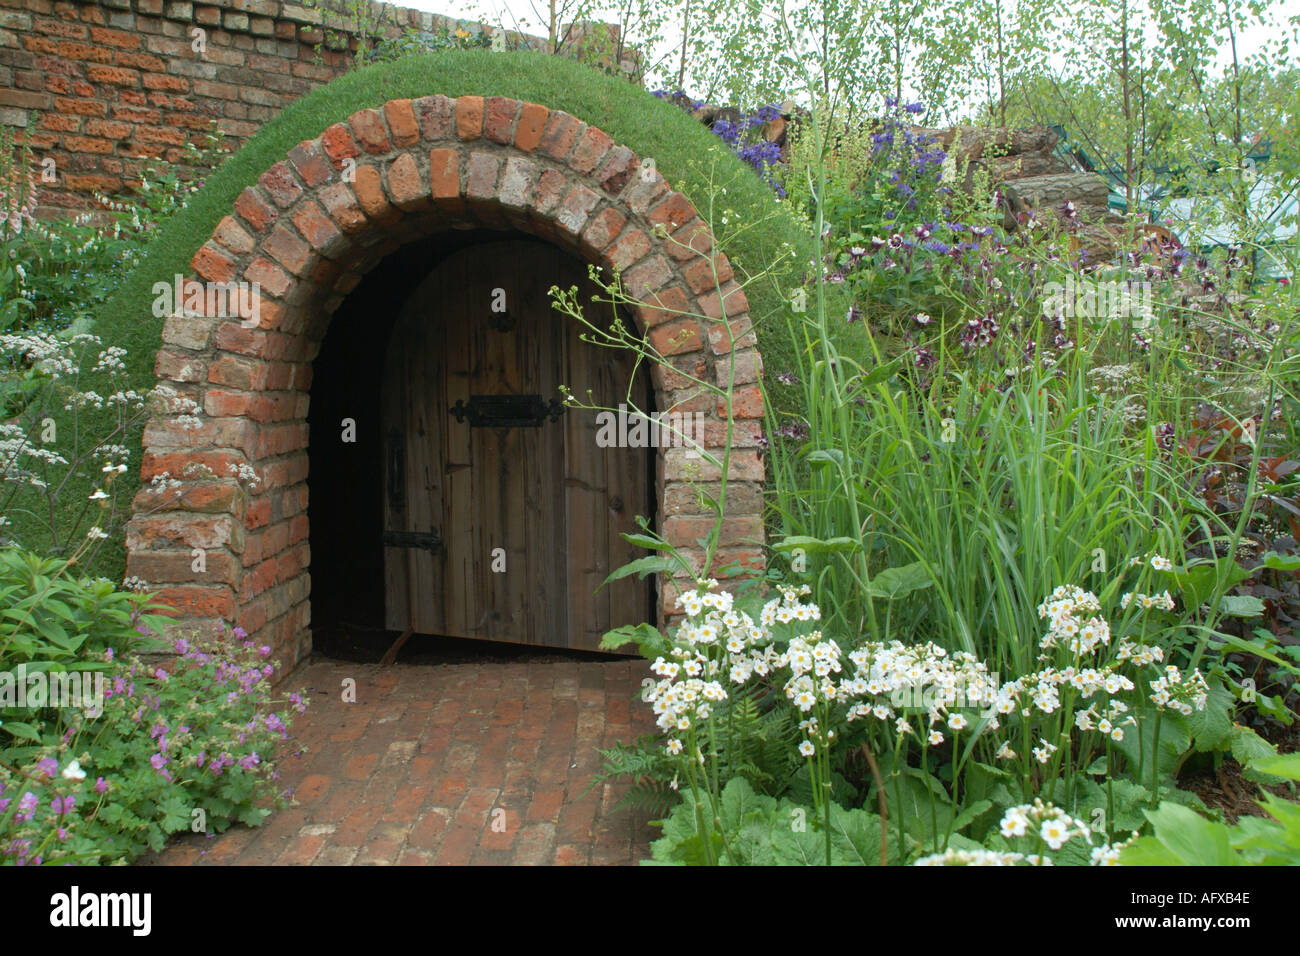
(1285, 765)
(1182, 837)
(1241, 605)
(19, 729)
(645, 636)
(1281, 562)
(894, 583)
(1249, 749)
(652, 564)
(881, 373)
(1211, 728)
(831, 456)
(817, 545)
(646, 541)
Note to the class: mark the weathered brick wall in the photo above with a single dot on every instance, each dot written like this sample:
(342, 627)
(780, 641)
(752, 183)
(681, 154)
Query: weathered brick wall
(110, 81)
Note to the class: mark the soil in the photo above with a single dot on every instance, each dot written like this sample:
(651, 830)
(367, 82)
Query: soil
(1227, 789)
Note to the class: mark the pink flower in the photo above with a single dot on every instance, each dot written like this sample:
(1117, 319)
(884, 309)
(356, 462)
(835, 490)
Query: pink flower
(101, 785)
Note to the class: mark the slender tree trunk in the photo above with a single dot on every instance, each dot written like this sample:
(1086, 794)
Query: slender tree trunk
(686, 32)
(1124, 73)
(1002, 81)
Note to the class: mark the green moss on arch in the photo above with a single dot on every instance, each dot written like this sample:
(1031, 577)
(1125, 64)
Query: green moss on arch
(684, 151)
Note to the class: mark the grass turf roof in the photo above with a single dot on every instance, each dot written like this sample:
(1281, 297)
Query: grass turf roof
(683, 149)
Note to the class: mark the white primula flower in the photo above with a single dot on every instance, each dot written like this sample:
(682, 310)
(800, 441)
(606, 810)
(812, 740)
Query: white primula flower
(1054, 833)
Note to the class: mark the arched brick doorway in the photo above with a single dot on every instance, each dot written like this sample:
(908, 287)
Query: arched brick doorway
(310, 229)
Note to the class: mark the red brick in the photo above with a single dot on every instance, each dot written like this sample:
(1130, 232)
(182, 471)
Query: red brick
(469, 117)
(287, 249)
(309, 159)
(256, 211)
(591, 148)
(630, 248)
(705, 274)
(339, 145)
(341, 203)
(561, 130)
(231, 234)
(369, 191)
(499, 118)
(481, 176)
(435, 116)
(163, 81)
(213, 264)
(280, 185)
(675, 338)
(273, 280)
(444, 176)
(531, 126)
(317, 228)
(691, 240)
(405, 185)
(551, 188)
(115, 75)
(646, 276)
(602, 230)
(617, 169)
(201, 602)
(577, 206)
(401, 122)
(368, 129)
(736, 303)
(675, 210)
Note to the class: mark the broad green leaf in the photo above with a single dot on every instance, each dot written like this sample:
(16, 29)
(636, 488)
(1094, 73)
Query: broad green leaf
(1275, 765)
(894, 583)
(1241, 605)
(652, 564)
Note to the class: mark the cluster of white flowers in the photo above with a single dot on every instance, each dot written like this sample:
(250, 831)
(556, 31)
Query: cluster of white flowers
(892, 675)
(1043, 821)
(111, 360)
(1110, 722)
(955, 857)
(244, 473)
(1157, 562)
(1072, 618)
(1178, 691)
(1163, 601)
(1043, 687)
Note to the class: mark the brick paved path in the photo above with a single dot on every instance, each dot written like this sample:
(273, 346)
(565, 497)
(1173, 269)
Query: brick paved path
(415, 770)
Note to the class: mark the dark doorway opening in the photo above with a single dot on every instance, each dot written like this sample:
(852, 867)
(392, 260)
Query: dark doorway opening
(346, 479)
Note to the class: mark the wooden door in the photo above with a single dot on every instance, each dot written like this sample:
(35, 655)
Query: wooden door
(496, 530)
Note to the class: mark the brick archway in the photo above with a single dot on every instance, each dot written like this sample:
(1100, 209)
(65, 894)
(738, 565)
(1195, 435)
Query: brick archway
(308, 231)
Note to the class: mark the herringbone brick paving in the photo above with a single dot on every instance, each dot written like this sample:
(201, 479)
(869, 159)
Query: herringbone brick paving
(429, 758)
